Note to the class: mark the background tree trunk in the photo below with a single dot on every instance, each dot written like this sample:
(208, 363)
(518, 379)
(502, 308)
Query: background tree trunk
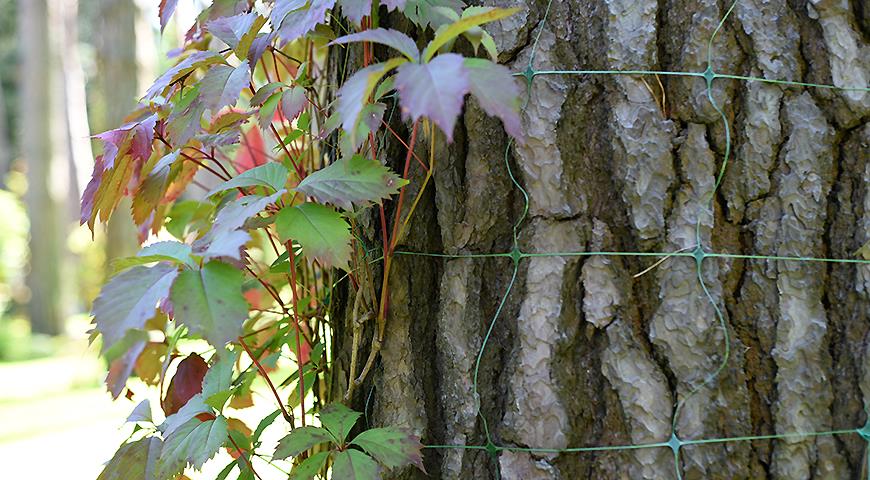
(37, 135)
(584, 354)
(118, 94)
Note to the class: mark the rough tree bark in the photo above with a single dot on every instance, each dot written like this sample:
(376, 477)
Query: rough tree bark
(583, 354)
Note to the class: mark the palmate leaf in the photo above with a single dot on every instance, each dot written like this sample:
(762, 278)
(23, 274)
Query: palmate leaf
(355, 465)
(136, 459)
(435, 90)
(222, 85)
(391, 38)
(356, 180)
(339, 420)
(497, 92)
(194, 443)
(323, 234)
(210, 302)
(130, 299)
(391, 447)
(300, 440)
(272, 175)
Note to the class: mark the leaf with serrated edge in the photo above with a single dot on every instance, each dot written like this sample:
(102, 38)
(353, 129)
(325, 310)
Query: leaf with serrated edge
(293, 102)
(182, 68)
(391, 38)
(191, 409)
(355, 465)
(210, 302)
(310, 467)
(339, 420)
(134, 460)
(130, 299)
(222, 85)
(291, 21)
(435, 90)
(272, 175)
(458, 28)
(264, 92)
(225, 244)
(357, 89)
(346, 182)
(218, 380)
(237, 31)
(391, 447)
(300, 440)
(497, 92)
(322, 232)
(193, 443)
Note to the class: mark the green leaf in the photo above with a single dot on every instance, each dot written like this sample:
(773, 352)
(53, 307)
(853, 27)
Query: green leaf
(267, 110)
(265, 422)
(321, 231)
(193, 443)
(310, 467)
(272, 175)
(339, 420)
(210, 302)
(391, 447)
(356, 180)
(864, 251)
(134, 460)
(130, 299)
(300, 440)
(355, 465)
(264, 93)
(142, 412)
(460, 27)
(218, 380)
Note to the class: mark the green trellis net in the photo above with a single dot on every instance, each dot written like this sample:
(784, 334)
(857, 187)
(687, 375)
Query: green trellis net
(697, 252)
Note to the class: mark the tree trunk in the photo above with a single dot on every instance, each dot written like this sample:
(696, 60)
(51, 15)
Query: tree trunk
(119, 92)
(37, 132)
(584, 352)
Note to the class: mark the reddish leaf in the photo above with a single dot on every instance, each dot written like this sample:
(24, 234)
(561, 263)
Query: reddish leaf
(435, 90)
(293, 102)
(252, 153)
(121, 368)
(497, 92)
(186, 383)
(167, 7)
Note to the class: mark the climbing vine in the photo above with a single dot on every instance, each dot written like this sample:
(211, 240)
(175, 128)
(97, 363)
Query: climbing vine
(249, 175)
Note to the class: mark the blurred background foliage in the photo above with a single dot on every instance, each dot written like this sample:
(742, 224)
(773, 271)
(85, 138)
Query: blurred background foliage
(68, 69)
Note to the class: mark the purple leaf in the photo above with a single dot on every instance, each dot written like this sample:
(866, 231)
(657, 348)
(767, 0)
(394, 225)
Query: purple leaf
(226, 244)
(238, 31)
(356, 90)
(497, 92)
(130, 299)
(355, 10)
(391, 38)
(167, 8)
(259, 46)
(134, 138)
(189, 64)
(121, 368)
(435, 90)
(291, 21)
(293, 102)
(223, 84)
(89, 195)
